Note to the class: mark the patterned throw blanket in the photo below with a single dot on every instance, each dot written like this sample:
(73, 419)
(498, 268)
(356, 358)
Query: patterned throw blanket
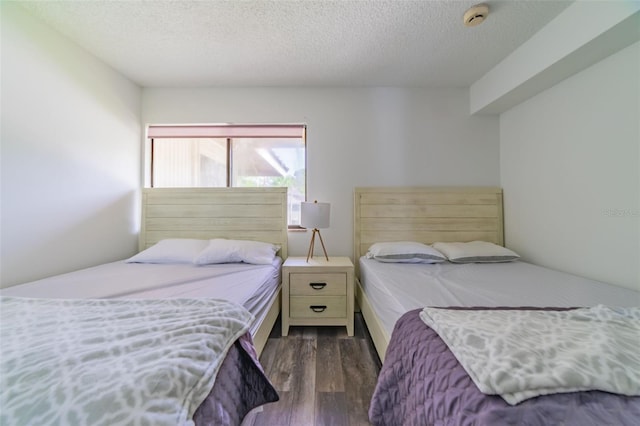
(88, 361)
(526, 353)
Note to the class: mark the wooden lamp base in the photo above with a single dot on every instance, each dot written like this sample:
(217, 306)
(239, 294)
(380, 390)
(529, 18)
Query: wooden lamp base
(313, 240)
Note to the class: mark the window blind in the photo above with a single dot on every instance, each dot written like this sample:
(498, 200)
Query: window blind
(227, 131)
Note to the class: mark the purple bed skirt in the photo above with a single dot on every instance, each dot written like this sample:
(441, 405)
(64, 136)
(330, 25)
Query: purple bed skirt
(422, 383)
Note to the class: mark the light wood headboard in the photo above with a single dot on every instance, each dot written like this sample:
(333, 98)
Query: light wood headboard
(427, 215)
(258, 214)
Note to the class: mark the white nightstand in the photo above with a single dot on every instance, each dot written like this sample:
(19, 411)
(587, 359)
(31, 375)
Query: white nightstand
(317, 292)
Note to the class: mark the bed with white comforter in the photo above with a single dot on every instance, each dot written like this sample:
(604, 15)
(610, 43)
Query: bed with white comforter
(501, 343)
(482, 283)
(89, 361)
(137, 343)
(169, 365)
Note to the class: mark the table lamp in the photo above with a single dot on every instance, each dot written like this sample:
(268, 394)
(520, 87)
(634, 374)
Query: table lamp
(316, 216)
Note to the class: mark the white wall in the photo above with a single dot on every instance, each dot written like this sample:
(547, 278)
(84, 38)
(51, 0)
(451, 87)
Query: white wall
(355, 137)
(570, 169)
(70, 143)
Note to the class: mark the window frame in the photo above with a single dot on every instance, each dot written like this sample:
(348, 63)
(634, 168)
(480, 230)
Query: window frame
(251, 131)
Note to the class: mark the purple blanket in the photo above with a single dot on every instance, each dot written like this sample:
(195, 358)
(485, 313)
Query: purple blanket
(240, 386)
(422, 383)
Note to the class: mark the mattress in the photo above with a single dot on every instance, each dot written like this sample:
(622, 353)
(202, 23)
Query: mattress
(252, 286)
(395, 288)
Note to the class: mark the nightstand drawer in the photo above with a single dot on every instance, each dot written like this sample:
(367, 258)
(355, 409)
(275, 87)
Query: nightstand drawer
(318, 307)
(323, 284)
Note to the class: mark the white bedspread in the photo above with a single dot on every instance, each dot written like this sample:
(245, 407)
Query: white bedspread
(111, 361)
(520, 354)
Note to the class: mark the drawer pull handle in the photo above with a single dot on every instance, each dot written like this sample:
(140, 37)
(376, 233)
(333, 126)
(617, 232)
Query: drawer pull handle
(318, 286)
(318, 308)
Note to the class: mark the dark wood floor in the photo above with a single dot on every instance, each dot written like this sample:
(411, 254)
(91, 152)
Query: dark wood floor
(323, 377)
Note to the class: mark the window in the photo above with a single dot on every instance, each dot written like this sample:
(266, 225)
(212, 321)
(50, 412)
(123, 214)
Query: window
(220, 155)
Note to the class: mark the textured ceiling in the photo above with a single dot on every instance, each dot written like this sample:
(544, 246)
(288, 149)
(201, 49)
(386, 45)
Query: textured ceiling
(297, 43)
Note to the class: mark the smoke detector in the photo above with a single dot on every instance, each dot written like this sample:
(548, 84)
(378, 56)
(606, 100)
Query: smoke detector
(476, 15)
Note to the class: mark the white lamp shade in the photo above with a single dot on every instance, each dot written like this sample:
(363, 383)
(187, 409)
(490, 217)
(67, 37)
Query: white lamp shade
(314, 215)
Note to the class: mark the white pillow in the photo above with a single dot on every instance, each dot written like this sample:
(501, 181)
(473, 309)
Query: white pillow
(234, 251)
(172, 250)
(476, 252)
(404, 252)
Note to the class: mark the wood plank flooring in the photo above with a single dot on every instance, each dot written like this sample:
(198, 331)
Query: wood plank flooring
(323, 377)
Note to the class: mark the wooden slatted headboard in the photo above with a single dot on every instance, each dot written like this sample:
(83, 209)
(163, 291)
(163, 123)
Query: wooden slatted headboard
(258, 214)
(427, 215)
